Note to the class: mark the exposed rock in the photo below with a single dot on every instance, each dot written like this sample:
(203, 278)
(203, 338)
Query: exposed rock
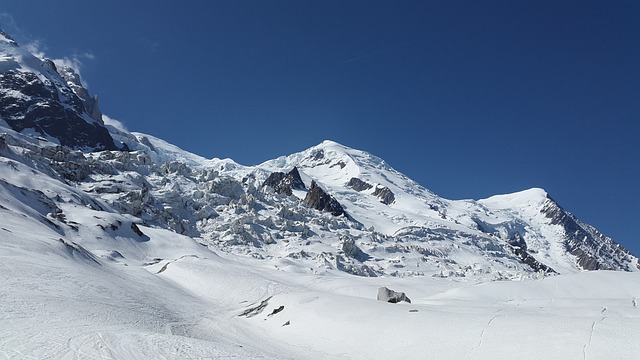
(295, 180)
(136, 229)
(37, 95)
(519, 247)
(318, 154)
(386, 196)
(50, 111)
(358, 185)
(340, 163)
(276, 310)
(385, 294)
(75, 83)
(594, 250)
(75, 250)
(285, 183)
(318, 199)
(253, 311)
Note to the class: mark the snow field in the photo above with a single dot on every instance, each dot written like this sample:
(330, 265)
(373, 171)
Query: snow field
(338, 317)
(169, 297)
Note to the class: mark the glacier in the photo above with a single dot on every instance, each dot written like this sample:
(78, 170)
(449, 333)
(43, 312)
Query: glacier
(119, 245)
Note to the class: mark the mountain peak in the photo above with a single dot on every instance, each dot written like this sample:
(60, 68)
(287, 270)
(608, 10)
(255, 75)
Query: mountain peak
(529, 197)
(331, 144)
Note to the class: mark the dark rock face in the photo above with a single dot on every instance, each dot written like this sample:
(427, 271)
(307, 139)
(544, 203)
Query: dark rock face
(386, 196)
(358, 185)
(50, 101)
(285, 183)
(519, 247)
(391, 296)
(594, 250)
(75, 84)
(28, 103)
(318, 199)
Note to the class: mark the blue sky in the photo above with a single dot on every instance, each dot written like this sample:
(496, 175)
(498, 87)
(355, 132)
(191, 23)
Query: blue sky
(469, 98)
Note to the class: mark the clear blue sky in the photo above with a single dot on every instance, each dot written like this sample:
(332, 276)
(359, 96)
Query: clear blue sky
(469, 98)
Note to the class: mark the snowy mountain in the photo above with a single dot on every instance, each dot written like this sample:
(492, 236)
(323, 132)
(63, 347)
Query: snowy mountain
(143, 250)
(40, 98)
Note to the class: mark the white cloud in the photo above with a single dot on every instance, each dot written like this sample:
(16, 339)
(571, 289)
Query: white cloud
(70, 62)
(8, 23)
(36, 48)
(113, 122)
(75, 61)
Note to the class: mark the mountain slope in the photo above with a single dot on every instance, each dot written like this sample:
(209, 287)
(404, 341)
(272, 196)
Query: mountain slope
(148, 251)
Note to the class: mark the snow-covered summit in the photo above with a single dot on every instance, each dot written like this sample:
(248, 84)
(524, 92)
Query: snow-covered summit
(533, 197)
(330, 162)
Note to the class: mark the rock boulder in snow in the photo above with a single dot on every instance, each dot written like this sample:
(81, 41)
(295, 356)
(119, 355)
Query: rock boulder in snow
(385, 294)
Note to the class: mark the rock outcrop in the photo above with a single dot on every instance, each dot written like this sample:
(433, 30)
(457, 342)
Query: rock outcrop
(358, 185)
(36, 96)
(593, 250)
(285, 183)
(386, 196)
(385, 294)
(318, 199)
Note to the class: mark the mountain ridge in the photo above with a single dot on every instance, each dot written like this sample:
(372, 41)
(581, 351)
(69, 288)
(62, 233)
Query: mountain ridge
(343, 209)
(48, 99)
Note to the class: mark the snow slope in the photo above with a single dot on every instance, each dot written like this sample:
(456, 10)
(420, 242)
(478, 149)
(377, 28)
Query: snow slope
(80, 280)
(58, 303)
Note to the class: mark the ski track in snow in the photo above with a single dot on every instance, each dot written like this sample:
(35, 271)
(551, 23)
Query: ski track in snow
(591, 332)
(481, 337)
(499, 313)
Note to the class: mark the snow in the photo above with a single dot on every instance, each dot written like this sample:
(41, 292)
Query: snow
(103, 291)
(164, 151)
(191, 309)
(530, 198)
